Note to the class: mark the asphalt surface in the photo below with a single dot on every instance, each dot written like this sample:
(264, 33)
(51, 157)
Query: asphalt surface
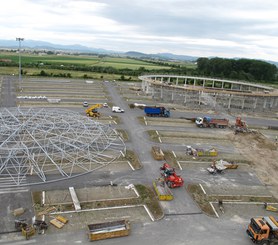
(183, 223)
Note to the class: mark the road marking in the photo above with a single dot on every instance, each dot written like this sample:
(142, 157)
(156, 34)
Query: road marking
(149, 213)
(18, 243)
(214, 209)
(202, 189)
(179, 165)
(159, 140)
(145, 121)
(174, 154)
(130, 165)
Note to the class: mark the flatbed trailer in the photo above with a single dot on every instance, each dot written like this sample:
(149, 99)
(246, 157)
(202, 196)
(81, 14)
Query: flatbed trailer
(107, 230)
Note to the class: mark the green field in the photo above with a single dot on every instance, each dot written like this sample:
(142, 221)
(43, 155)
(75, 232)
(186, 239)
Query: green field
(115, 62)
(86, 66)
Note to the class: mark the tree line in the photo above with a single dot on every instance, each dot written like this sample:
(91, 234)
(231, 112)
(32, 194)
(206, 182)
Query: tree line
(241, 69)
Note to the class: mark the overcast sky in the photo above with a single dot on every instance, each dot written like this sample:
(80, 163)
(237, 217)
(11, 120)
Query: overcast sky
(224, 28)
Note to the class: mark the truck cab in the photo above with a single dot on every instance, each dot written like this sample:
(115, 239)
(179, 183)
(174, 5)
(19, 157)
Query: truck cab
(263, 230)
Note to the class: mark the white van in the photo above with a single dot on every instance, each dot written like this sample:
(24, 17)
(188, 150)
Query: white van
(117, 109)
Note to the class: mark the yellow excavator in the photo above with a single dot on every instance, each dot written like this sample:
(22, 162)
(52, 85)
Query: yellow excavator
(92, 110)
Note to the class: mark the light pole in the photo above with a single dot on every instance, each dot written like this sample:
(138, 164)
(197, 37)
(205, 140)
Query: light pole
(19, 39)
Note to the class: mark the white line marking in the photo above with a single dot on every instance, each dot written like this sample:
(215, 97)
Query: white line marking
(148, 211)
(159, 140)
(202, 189)
(179, 165)
(130, 165)
(174, 154)
(214, 209)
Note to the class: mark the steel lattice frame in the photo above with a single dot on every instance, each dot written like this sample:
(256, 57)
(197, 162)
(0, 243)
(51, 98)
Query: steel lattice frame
(43, 145)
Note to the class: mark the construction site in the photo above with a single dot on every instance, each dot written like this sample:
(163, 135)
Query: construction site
(182, 157)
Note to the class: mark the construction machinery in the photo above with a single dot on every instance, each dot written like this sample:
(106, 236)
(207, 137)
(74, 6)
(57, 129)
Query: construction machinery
(92, 111)
(269, 207)
(208, 122)
(153, 111)
(241, 126)
(170, 177)
(263, 230)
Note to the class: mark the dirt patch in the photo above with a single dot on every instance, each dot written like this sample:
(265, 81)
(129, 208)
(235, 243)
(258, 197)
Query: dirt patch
(170, 159)
(132, 157)
(203, 200)
(123, 134)
(148, 197)
(263, 154)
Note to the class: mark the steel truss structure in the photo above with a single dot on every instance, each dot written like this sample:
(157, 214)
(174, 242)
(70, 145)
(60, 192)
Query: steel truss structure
(44, 145)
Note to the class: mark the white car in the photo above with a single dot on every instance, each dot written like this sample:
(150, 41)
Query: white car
(85, 104)
(117, 109)
(105, 105)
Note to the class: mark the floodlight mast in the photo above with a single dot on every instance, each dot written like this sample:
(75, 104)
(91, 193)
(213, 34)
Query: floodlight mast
(19, 39)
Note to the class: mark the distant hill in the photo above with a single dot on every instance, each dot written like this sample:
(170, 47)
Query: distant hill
(41, 45)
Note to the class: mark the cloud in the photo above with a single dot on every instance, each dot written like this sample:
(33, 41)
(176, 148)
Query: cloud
(194, 27)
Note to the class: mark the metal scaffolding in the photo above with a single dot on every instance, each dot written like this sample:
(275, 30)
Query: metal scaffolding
(44, 145)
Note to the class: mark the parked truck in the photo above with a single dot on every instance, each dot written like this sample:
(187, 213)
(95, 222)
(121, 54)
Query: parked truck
(153, 111)
(208, 122)
(263, 230)
(107, 230)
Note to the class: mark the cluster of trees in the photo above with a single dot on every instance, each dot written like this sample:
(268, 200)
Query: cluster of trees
(242, 69)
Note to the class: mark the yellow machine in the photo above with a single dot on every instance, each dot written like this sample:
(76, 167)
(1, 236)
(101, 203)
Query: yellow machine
(92, 110)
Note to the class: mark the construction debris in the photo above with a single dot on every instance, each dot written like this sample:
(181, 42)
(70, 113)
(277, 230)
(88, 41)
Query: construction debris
(18, 212)
(47, 211)
(108, 230)
(162, 190)
(200, 152)
(157, 153)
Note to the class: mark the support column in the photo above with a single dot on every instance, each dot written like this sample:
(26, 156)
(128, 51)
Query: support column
(177, 81)
(185, 80)
(204, 82)
(222, 85)
(271, 103)
(242, 105)
(194, 84)
(255, 103)
(230, 100)
(232, 86)
(212, 84)
(214, 102)
(265, 100)
(276, 102)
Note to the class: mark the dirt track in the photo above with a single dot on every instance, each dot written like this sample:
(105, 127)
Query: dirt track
(263, 154)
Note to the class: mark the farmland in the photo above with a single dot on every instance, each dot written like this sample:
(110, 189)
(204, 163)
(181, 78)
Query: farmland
(104, 67)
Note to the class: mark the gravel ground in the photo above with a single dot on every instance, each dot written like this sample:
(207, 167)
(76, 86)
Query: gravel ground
(89, 194)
